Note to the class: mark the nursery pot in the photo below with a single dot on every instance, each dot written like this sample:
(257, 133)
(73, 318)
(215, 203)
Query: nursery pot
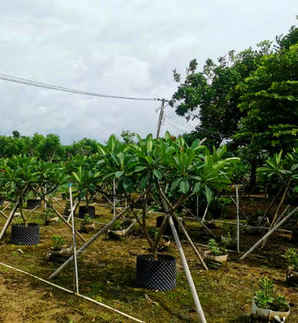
(25, 235)
(31, 204)
(84, 210)
(262, 313)
(157, 274)
(59, 255)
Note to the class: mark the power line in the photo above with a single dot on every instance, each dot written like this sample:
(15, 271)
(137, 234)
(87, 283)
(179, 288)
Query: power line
(170, 119)
(20, 80)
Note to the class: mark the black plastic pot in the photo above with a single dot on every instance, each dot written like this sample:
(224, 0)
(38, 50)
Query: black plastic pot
(167, 230)
(25, 235)
(156, 274)
(31, 204)
(84, 210)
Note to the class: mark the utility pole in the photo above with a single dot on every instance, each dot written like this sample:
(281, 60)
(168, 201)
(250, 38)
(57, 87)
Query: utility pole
(161, 113)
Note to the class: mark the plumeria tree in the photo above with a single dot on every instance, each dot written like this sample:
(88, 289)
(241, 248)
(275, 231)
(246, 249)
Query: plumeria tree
(17, 177)
(166, 170)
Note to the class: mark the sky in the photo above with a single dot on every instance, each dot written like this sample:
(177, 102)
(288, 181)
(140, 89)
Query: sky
(117, 47)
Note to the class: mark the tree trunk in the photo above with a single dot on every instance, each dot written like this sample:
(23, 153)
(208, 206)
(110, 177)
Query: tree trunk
(253, 176)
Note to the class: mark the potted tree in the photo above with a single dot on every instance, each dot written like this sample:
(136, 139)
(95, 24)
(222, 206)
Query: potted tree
(51, 176)
(292, 261)
(169, 172)
(267, 304)
(85, 179)
(18, 175)
(216, 253)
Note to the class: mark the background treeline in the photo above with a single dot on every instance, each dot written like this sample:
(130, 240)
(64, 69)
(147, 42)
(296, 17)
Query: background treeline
(47, 148)
(248, 100)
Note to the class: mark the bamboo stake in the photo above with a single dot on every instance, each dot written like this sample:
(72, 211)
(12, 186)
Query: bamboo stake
(192, 244)
(71, 292)
(88, 243)
(188, 274)
(114, 198)
(2, 211)
(65, 222)
(3, 214)
(74, 245)
(205, 213)
(72, 209)
(9, 219)
(269, 233)
(202, 223)
(238, 219)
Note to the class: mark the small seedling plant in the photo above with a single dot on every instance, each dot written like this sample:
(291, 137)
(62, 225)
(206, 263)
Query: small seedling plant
(267, 298)
(215, 249)
(57, 242)
(292, 258)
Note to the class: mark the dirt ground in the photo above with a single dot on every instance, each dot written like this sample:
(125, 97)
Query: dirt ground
(107, 274)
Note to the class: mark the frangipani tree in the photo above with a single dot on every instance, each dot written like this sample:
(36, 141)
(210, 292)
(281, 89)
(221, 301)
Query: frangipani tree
(51, 177)
(281, 170)
(17, 177)
(166, 169)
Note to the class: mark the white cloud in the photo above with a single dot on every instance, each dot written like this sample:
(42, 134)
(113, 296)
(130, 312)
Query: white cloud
(116, 47)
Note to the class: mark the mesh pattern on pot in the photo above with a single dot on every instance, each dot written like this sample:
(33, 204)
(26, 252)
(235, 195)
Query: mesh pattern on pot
(22, 235)
(156, 274)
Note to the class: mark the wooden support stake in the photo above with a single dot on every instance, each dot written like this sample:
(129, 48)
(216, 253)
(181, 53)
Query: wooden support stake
(192, 244)
(114, 198)
(188, 274)
(9, 219)
(269, 233)
(3, 214)
(205, 213)
(72, 209)
(65, 222)
(88, 243)
(238, 219)
(2, 211)
(71, 292)
(74, 245)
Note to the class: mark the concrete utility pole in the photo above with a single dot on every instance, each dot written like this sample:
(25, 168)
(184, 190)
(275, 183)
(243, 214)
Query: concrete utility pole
(161, 114)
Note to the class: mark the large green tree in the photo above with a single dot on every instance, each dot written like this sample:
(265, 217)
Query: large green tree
(269, 102)
(209, 95)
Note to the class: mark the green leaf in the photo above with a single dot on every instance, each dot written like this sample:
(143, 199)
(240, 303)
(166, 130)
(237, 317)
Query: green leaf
(157, 174)
(175, 184)
(184, 186)
(119, 174)
(75, 175)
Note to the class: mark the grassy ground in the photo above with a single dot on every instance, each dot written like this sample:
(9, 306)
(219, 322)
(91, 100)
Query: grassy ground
(107, 274)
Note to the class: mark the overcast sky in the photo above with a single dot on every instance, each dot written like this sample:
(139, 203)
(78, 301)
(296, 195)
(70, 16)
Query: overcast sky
(118, 47)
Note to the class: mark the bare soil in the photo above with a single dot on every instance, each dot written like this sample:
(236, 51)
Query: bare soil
(107, 274)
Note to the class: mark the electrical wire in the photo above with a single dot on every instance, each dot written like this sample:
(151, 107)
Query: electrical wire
(24, 81)
(169, 119)
(178, 127)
